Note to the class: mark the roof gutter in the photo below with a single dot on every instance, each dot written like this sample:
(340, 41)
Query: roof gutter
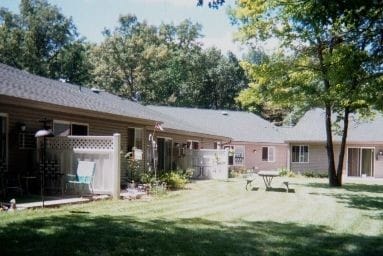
(189, 133)
(16, 101)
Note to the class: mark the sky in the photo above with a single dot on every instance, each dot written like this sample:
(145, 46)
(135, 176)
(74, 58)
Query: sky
(91, 17)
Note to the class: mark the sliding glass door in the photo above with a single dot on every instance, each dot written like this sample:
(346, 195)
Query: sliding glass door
(360, 162)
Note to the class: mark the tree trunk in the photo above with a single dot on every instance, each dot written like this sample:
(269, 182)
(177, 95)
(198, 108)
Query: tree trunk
(342, 146)
(333, 181)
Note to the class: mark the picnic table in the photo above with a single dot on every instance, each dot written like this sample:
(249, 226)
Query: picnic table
(267, 177)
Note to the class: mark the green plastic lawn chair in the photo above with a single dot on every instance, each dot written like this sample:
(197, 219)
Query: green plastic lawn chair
(84, 175)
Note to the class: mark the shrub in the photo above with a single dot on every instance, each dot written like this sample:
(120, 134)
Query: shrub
(188, 173)
(233, 173)
(147, 178)
(315, 174)
(174, 179)
(286, 172)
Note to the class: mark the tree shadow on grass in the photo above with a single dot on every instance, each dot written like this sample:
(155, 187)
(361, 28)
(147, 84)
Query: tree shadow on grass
(82, 234)
(359, 196)
(364, 202)
(351, 187)
(370, 188)
(283, 190)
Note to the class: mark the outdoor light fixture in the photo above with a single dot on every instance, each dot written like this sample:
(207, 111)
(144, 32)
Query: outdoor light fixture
(43, 133)
(23, 127)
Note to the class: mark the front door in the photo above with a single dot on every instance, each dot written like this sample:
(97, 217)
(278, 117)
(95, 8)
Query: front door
(360, 162)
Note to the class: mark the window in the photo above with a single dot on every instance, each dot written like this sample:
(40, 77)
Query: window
(239, 155)
(79, 129)
(192, 144)
(230, 150)
(217, 145)
(236, 155)
(65, 128)
(268, 154)
(61, 128)
(300, 154)
(135, 138)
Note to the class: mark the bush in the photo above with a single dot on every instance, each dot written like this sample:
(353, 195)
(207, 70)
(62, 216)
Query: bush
(188, 174)
(174, 179)
(315, 174)
(146, 178)
(286, 172)
(233, 173)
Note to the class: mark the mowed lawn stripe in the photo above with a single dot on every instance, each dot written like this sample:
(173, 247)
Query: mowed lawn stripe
(209, 218)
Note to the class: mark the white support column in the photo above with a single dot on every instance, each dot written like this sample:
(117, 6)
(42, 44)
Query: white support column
(288, 160)
(116, 170)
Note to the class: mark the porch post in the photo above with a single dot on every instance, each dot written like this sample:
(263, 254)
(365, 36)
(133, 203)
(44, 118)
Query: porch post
(116, 167)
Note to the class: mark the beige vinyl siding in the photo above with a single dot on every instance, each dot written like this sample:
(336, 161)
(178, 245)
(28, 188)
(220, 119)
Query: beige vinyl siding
(254, 159)
(317, 159)
(19, 160)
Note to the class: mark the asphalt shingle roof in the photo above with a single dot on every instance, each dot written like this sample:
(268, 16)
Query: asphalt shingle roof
(238, 125)
(21, 84)
(311, 127)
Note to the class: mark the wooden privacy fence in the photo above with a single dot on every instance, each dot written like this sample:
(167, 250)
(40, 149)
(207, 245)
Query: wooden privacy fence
(103, 150)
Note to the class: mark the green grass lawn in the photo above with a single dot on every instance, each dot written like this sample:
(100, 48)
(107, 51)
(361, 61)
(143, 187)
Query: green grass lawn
(210, 218)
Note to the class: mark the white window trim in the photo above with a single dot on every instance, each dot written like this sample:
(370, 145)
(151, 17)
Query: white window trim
(78, 123)
(356, 147)
(70, 124)
(193, 141)
(299, 157)
(268, 154)
(243, 151)
(135, 136)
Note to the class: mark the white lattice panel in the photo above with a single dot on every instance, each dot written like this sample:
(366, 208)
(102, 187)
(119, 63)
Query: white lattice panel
(89, 143)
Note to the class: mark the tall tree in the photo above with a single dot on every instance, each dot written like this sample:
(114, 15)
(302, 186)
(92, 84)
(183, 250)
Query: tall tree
(122, 61)
(331, 57)
(72, 63)
(222, 80)
(34, 39)
(166, 65)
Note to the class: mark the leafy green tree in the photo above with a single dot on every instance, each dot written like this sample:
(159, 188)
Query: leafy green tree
(222, 80)
(330, 57)
(165, 65)
(37, 38)
(274, 114)
(123, 61)
(11, 36)
(172, 72)
(72, 63)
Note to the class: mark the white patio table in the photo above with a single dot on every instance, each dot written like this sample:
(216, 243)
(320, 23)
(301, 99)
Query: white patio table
(267, 177)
